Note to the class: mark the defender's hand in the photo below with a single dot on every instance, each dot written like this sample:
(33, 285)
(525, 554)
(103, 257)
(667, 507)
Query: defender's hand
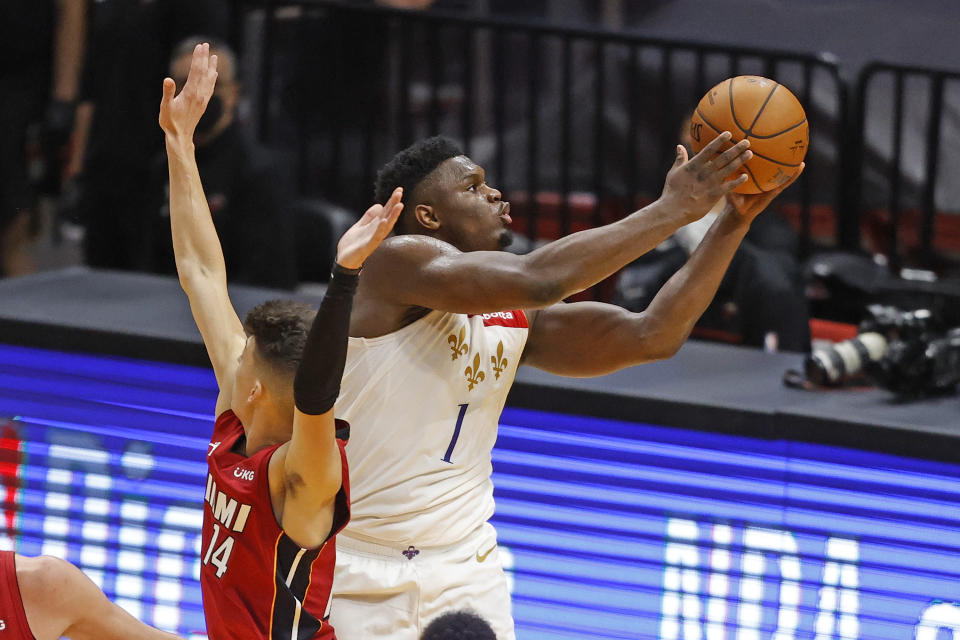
(749, 206)
(365, 235)
(694, 186)
(179, 115)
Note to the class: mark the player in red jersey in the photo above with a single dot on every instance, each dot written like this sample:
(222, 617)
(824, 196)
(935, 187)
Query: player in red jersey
(277, 489)
(45, 598)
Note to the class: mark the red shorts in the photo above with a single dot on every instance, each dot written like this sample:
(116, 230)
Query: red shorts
(13, 620)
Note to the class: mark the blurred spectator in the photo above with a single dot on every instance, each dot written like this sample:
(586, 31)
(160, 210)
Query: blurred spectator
(41, 45)
(130, 46)
(249, 198)
(458, 625)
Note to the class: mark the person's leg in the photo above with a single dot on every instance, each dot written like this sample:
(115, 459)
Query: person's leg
(16, 194)
(59, 600)
(118, 226)
(374, 597)
(472, 578)
(15, 239)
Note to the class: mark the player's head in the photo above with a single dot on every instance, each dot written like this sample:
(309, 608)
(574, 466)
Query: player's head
(458, 625)
(276, 334)
(446, 196)
(222, 106)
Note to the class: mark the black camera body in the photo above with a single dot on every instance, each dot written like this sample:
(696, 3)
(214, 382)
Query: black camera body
(906, 352)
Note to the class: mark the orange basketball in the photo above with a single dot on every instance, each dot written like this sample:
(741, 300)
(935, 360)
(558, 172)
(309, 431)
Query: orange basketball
(765, 113)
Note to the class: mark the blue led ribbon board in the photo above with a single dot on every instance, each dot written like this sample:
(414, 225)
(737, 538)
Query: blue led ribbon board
(609, 529)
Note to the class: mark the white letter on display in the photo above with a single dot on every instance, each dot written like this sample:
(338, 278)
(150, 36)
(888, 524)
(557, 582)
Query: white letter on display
(681, 583)
(839, 606)
(939, 616)
(718, 584)
(757, 543)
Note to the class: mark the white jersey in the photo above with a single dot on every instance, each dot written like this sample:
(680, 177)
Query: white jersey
(423, 403)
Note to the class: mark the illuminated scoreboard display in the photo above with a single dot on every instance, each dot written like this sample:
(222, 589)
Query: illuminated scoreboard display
(610, 529)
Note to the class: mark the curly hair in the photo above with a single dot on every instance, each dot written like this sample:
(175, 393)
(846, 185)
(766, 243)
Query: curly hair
(458, 625)
(408, 168)
(280, 328)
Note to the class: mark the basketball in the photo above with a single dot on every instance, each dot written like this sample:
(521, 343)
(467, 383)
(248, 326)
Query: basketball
(764, 112)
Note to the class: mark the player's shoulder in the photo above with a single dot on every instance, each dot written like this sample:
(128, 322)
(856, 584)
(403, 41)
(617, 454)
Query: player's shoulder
(403, 254)
(410, 246)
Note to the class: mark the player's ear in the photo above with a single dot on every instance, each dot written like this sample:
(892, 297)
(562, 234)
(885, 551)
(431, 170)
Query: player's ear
(426, 216)
(255, 391)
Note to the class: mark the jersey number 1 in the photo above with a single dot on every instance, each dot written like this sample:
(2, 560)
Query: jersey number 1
(456, 434)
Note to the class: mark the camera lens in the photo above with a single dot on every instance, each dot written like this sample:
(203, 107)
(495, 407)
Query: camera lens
(834, 364)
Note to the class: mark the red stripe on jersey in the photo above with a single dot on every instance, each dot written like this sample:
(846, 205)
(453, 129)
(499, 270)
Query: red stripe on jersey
(516, 319)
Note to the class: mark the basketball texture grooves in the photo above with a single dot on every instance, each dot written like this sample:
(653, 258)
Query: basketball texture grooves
(762, 111)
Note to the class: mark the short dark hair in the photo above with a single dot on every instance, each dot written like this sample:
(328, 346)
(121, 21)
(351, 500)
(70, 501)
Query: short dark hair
(459, 625)
(408, 168)
(280, 328)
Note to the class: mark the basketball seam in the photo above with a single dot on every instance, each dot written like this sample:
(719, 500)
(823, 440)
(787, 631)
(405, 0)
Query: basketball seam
(768, 159)
(779, 133)
(749, 131)
(752, 177)
(733, 109)
(759, 155)
(707, 122)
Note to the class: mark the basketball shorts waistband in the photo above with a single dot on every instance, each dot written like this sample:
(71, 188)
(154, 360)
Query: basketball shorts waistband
(410, 550)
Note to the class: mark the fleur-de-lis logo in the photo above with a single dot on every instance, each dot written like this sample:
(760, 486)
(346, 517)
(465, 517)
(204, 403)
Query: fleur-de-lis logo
(474, 375)
(457, 345)
(499, 362)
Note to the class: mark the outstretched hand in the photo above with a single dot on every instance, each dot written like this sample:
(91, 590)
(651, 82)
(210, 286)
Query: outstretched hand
(179, 115)
(749, 206)
(693, 186)
(368, 232)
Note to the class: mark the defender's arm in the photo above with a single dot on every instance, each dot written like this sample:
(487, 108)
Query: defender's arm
(199, 257)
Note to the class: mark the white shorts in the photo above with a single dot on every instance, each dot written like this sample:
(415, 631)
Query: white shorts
(380, 592)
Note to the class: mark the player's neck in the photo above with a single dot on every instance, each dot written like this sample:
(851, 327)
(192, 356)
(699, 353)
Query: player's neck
(266, 428)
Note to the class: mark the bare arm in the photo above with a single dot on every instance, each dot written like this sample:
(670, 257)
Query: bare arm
(591, 339)
(68, 49)
(196, 247)
(308, 468)
(60, 600)
(424, 272)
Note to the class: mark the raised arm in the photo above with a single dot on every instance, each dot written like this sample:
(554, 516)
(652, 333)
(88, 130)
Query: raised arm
(591, 339)
(196, 247)
(420, 271)
(308, 468)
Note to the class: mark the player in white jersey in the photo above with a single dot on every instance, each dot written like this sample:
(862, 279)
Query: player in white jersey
(440, 323)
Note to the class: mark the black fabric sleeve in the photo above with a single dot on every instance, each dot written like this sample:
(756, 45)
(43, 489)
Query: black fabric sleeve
(317, 383)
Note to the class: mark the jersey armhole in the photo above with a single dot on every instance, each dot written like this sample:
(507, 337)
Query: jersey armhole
(341, 505)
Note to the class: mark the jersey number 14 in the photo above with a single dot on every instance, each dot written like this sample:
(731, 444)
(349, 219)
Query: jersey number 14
(221, 556)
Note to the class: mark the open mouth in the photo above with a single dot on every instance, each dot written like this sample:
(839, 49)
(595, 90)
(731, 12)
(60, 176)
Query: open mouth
(505, 212)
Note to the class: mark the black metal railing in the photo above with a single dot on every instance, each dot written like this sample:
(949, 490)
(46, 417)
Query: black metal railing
(904, 181)
(576, 126)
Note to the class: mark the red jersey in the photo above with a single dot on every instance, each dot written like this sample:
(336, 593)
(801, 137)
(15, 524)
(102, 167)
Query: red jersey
(257, 583)
(13, 620)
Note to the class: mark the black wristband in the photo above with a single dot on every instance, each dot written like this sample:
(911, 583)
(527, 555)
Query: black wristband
(338, 269)
(317, 383)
